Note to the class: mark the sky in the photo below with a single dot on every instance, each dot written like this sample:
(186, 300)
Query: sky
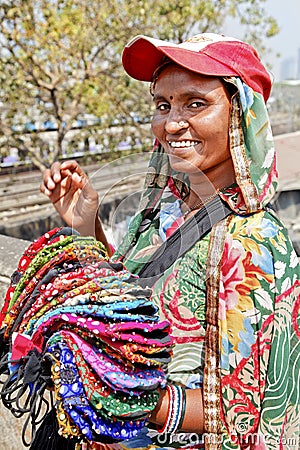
(287, 41)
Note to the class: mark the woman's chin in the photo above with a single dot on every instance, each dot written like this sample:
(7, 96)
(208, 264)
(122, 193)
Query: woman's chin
(182, 165)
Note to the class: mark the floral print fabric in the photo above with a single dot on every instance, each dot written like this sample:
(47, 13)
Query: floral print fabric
(259, 335)
(240, 291)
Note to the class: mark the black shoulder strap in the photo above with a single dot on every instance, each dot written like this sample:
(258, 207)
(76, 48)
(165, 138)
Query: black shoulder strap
(183, 240)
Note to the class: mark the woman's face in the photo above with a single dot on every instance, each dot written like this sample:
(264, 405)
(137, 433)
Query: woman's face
(191, 121)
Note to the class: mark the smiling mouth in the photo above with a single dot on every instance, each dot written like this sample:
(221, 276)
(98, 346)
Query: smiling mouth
(182, 144)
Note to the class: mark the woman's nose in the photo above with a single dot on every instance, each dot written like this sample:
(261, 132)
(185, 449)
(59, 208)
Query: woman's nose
(175, 124)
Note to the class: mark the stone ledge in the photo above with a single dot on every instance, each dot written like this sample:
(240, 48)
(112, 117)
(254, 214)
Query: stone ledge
(10, 251)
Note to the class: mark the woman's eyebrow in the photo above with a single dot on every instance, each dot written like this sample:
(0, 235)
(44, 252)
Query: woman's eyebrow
(157, 97)
(194, 92)
(189, 93)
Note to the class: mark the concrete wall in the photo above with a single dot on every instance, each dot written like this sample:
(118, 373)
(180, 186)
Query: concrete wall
(10, 252)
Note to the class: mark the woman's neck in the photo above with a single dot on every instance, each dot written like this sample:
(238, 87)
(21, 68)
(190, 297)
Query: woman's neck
(204, 185)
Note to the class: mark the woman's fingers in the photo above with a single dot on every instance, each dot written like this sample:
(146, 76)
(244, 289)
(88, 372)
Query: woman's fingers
(55, 172)
(73, 196)
(63, 189)
(48, 184)
(68, 187)
(73, 167)
(58, 174)
(51, 177)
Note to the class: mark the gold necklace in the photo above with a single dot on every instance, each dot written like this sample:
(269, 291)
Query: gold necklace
(199, 204)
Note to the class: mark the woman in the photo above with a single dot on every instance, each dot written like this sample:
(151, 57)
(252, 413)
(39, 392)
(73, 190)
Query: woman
(233, 298)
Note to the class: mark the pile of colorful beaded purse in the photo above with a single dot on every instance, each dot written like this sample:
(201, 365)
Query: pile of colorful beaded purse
(79, 326)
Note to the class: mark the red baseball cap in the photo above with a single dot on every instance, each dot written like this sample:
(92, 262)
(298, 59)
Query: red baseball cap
(207, 54)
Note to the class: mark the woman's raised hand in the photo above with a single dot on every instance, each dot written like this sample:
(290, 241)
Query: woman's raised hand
(72, 195)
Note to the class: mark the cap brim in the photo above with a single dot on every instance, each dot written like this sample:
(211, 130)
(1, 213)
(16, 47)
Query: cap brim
(143, 55)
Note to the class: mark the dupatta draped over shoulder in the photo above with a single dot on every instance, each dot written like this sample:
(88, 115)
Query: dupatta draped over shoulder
(247, 287)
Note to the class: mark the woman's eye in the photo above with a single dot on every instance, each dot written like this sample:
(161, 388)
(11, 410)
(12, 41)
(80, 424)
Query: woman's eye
(197, 104)
(162, 106)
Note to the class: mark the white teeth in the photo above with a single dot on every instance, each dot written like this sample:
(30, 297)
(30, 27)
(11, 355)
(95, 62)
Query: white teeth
(181, 144)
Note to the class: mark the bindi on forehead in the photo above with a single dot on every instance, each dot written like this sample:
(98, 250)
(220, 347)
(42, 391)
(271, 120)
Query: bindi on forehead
(171, 97)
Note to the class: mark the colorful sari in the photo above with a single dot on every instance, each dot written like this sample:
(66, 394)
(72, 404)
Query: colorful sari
(232, 300)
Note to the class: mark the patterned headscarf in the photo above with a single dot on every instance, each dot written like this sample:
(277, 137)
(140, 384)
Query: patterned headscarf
(254, 159)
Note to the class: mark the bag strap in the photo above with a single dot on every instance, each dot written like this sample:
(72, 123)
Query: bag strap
(183, 240)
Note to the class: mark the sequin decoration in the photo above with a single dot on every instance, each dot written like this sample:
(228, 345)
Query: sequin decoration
(77, 323)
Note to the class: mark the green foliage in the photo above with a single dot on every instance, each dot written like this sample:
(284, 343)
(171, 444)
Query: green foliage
(60, 61)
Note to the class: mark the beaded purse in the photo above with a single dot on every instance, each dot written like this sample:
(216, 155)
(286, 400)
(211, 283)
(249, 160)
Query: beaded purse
(80, 329)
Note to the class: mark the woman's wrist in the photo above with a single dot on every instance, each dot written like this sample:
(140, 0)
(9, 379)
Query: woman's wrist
(159, 414)
(100, 235)
(176, 409)
(86, 226)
